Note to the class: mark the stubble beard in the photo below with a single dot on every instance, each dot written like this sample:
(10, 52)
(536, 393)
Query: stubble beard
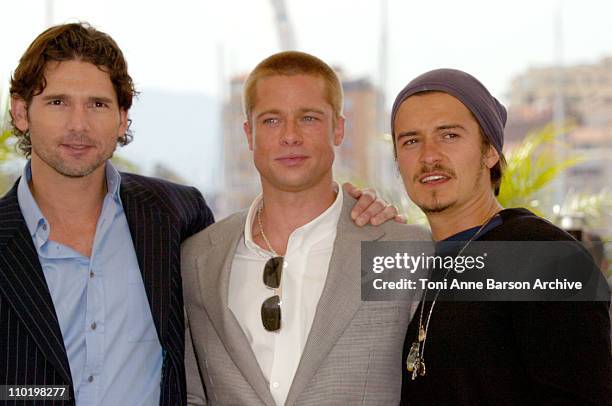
(59, 165)
(436, 206)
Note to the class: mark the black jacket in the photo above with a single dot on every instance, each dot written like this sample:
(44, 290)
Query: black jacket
(160, 216)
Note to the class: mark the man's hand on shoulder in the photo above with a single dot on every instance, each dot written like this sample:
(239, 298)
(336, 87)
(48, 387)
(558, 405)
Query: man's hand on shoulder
(370, 208)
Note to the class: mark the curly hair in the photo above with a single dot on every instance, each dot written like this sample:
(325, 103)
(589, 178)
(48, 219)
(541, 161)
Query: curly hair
(74, 41)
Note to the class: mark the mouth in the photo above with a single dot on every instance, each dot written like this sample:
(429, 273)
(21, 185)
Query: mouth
(434, 179)
(76, 148)
(291, 160)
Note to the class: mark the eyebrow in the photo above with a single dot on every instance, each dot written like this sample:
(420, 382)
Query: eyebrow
(450, 127)
(64, 96)
(271, 111)
(312, 110)
(412, 133)
(54, 96)
(302, 110)
(407, 134)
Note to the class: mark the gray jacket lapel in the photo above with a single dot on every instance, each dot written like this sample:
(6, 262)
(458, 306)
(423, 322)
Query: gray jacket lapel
(213, 270)
(340, 299)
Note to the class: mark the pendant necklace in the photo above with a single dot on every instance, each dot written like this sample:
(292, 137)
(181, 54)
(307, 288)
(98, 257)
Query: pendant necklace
(415, 362)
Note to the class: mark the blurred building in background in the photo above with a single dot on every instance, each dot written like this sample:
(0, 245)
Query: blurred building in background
(586, 92)
(240, 178)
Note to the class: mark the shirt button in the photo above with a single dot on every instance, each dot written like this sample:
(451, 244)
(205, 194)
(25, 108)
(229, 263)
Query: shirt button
(275, 385)
(90, 379)
(93, 325)
(91, 274)
(45, 227)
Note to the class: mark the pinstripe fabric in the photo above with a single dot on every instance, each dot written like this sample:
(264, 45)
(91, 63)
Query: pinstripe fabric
(160, 216)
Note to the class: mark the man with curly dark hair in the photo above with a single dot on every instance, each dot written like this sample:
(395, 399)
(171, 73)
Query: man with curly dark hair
(90, 285)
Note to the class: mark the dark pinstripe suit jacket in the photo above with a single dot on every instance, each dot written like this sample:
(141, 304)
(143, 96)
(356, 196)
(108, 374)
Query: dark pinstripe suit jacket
(160, 216)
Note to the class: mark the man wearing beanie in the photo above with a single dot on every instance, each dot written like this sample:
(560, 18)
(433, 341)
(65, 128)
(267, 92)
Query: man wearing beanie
(448, 134)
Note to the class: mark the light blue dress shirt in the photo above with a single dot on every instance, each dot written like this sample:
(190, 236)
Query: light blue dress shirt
(112, 345)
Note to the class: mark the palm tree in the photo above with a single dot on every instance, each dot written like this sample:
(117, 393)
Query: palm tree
(531, 168)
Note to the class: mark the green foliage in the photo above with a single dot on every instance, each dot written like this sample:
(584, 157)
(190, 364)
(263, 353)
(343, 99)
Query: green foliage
(6, 149)
(6, 153)
(592, 210)
(124, 164)
(532, 166)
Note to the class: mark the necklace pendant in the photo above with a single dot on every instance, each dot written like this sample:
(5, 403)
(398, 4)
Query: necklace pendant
(419, 369)
(415, 373)
(422, 370)
(422, 334)
(413, 358)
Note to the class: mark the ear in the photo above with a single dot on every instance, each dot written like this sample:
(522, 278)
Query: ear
(491, 157)
(339, 131)
(123, 122)
(248, 131)
(19, 112)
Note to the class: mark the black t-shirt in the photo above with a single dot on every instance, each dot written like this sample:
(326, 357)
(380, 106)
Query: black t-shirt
(515, 353)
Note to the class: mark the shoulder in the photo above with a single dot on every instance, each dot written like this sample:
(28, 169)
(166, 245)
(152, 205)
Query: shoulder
(391, 229)
(9, 200)
(184, 204)
(219, 231)
(133, 183)
(172, 197)
(520, 224)
(404, 232)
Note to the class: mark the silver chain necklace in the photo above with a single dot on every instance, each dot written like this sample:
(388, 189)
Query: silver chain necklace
(261, 230)
(415, 362)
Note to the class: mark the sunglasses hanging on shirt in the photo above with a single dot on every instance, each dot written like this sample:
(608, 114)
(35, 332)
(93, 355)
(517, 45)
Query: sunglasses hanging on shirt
(271, 309)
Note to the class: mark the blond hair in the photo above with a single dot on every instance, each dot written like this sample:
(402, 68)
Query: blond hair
(290, 63)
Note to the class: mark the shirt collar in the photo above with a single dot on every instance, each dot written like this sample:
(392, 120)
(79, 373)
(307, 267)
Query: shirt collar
(29, 208)
(113, 180)
(311, 232)
(31, 213)
(465, 235)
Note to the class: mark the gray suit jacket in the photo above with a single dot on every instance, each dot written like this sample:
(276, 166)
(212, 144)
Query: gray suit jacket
(353, 354)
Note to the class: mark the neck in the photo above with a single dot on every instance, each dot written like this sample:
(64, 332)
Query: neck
(454, 220)
(284, 212)
(61, 197)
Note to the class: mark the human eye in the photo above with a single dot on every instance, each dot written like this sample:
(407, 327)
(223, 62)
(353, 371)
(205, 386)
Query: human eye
(309, 118)
(409, 141)
(271, 120)
(450, 135)
(99, 104)
(55, 102)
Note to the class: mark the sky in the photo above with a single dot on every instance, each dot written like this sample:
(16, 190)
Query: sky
(194, 46)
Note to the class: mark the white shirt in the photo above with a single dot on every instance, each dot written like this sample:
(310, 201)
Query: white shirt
(306, 263)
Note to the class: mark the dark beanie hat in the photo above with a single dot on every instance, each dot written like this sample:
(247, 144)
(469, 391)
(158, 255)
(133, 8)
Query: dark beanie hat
(490, 113)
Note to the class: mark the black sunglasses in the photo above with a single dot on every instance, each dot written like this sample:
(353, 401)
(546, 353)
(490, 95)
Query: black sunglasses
(270, 309)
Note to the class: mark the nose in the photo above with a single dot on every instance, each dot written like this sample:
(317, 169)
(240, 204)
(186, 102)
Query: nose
(430, 152)
(291, 134)
(78, 121)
